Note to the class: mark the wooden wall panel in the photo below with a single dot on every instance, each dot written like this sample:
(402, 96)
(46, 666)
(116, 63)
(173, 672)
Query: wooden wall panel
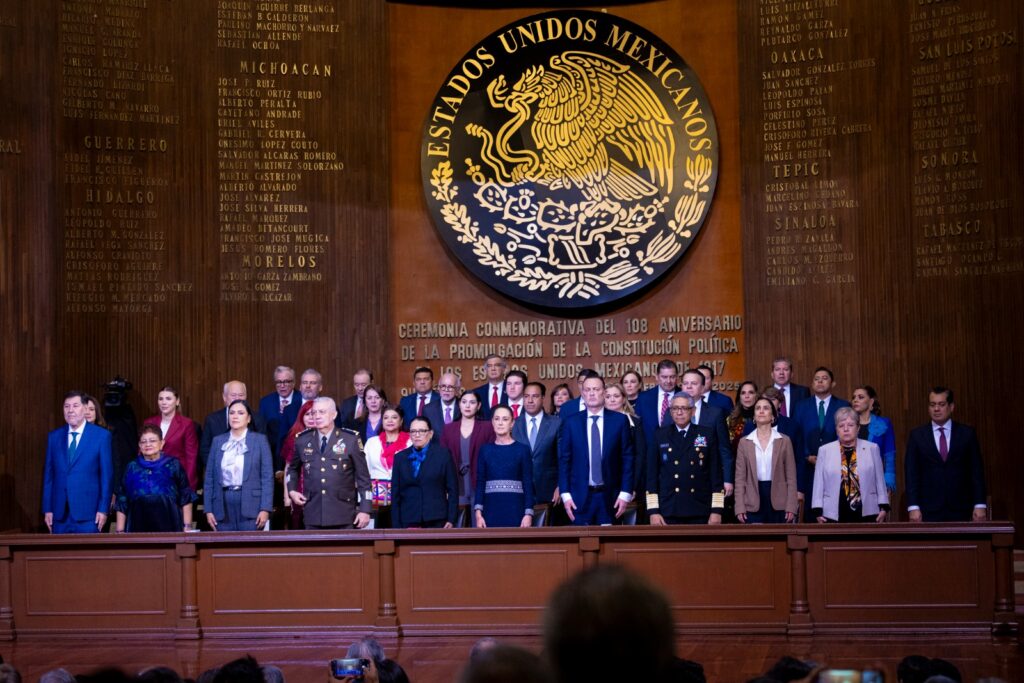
(428, 285)
(181, 166)
(870, 130)
(28, 267)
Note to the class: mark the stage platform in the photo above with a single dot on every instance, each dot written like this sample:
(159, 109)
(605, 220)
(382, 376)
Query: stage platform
(807, 581)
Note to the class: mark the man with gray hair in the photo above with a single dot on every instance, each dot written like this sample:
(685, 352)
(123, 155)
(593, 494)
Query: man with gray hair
(684, 474)
(336, 478)
(279, 409)
(216, 423)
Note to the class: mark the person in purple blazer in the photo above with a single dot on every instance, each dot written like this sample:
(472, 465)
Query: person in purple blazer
(78, 474)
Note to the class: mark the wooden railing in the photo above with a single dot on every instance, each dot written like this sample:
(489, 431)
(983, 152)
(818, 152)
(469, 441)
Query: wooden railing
(798, 580)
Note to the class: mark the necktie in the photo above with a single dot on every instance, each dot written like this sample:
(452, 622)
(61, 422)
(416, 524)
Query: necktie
(943, 446)
(74, 446)
(515, 412)
(423, 402)
(284, 404)
(821, 415)
(782, 403)
(533, 432)
(494, 397)
(447, 415)
(359, 408)
(595, 452)
(323, 444)
(664, 409)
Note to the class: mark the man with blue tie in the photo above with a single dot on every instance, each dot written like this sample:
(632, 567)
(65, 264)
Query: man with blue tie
(539, 431)
(652, 404)
(78, 475)
(577, 405)
(816, 416)
(595, 460)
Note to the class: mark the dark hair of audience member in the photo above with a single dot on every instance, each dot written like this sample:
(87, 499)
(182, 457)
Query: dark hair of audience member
(505, 664)
(685, 671)
(913, 669)
(159, 674)
(8, 674)
(366, 648)
(208, 675)
(608, 621)
(241, 670)
(788, 669)
(390, 671)
(942, 667)
(109, 675)
(482, 646)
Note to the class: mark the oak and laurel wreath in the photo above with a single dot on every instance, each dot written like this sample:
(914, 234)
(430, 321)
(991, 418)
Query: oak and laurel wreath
(663, 247)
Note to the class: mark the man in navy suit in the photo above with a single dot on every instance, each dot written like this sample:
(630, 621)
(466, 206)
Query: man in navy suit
(652, 404)
(216, 423)
(279, 410)
(78, 474)
(449, 388)
(792, 394)
(945, 476)
(493, 393)
(353, 408)
(539, 432)
(712, 397)
(595, 460)
(816, 416)
(415, 404)
(711, 418)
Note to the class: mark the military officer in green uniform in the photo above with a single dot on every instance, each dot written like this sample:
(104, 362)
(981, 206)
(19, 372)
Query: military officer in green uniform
(684, 472)
(335, 476)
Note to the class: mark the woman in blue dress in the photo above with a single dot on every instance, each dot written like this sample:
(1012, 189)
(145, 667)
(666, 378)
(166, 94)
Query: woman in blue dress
(876, 429)
(504, 478)
(154, 494)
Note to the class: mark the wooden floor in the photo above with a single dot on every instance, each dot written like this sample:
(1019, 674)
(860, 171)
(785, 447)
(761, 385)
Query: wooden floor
(430, 660)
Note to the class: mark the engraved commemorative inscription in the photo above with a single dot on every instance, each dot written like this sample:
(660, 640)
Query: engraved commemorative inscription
(570, 159)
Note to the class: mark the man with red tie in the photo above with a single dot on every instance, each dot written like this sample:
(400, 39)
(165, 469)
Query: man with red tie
(515, 383)
(415, 404)
(945, 476)
(353, 407)
(652, 405)
(279, 410)
(493, 393)
(782, 372)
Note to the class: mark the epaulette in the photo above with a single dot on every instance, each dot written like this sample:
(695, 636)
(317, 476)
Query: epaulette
(350, 431)
(305, 431)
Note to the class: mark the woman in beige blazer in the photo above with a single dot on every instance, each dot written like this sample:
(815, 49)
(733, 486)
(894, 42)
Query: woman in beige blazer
(849, 480)
(765, 471)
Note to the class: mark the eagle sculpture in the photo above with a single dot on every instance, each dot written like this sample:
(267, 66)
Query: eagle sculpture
(589, 117)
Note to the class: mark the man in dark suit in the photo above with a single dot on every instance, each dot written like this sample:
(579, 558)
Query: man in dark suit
(449, 387)
(816, 416)
(539, 431)
(216, 423)
(792, 394)
(712, 397)
(595, 460)
(353, 408)
(493, 393)
(279, 410)
(652, 404)
(577, 405)
(337, 481)
(945, 477)
(78, 474)
(684, 475)
(415, 404)
(424, 489)
(713, 419)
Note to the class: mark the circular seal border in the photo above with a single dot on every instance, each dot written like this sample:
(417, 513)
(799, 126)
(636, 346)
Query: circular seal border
(445, 184)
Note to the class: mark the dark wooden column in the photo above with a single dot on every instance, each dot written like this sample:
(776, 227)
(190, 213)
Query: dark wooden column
(799, 611)
(387, 612)
(188, 619)
(6, 608)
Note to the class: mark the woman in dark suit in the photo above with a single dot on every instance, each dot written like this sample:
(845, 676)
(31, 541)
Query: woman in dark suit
(765, 471)
(463, 439)
(238, 491)
(615, 399)
(369, 425)
(181, 437)
(424, 493)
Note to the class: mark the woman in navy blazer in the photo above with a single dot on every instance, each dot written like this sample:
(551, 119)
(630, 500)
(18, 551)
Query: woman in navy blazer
(238, 491)
(423, 487)
(181, 437)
